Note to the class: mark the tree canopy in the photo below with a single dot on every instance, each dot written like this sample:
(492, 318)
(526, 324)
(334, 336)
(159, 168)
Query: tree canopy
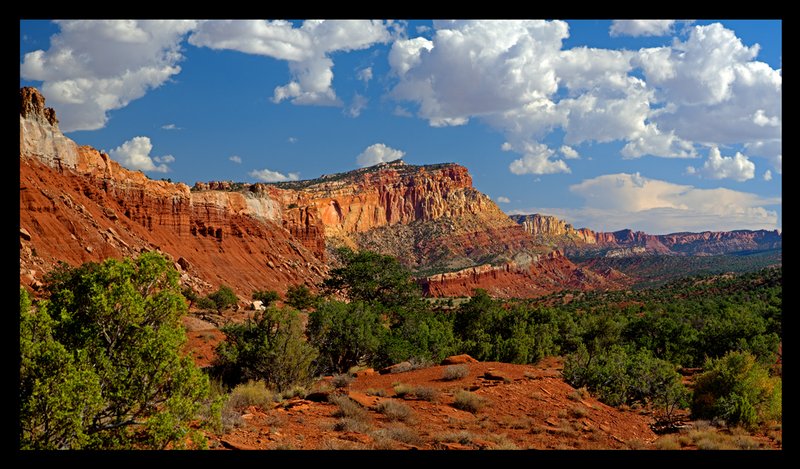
(101, 362)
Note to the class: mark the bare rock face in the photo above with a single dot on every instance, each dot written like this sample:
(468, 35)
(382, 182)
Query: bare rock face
(78, 205)
(39, 135)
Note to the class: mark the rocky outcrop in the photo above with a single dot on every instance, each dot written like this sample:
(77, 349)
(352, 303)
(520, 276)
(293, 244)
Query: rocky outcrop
(39, 135)
(82, 206)
(549, 229)
(543, 275)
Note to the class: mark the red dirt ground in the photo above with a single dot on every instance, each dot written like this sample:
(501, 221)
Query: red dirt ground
(533, 408)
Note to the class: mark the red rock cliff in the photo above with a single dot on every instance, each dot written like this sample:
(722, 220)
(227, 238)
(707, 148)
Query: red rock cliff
(86, 207)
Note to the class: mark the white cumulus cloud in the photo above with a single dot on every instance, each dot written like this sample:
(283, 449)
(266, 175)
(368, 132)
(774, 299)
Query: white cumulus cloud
(503, 200)
(641, 27)
(135, 154)
(737, 167)
(768, 175)
(236, 159)
(96, 66)
(569, 153)
(536, 159)
(307, 49)
(706, 90)
(617, 201)
(171, 127)
(267, 175)
(378, 153)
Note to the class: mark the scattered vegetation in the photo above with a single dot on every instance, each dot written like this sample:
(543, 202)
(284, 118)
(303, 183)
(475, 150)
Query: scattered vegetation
(738, 390)
(396, 432)
(426, 393)
(348, 408)
(468, 401)
(394, 410)
(300, 297)
(266, 297)
(252, 393)
(223, 298)
(341, 381)
(402, 390)
(113, 329)
(269, 346)
(454, 372)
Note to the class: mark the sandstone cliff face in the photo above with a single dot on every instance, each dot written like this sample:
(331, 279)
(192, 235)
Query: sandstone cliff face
(86, 207)
(552, 230)
(545, 274)
(39, 136)
(78, 205)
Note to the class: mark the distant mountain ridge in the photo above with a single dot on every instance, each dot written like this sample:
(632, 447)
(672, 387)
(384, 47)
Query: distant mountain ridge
(551, 230)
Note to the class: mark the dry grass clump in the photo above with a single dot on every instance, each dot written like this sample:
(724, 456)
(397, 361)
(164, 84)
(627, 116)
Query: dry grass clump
(462, 437)
(253, 393)
(341, 381)
(402, 390)
(347, 408)
(468, 401)
(347, 424)
(502, 442)
(401, 433)
(578, 411)
(426, 393)
(394, 410)
(454, 372)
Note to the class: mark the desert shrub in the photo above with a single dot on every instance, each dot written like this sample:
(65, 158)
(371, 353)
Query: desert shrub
(346, 334)
(394, 410)
(341, 381)
(350, 424)
(101, 361)
(267, 297)
(490, 331)
(737, 389)
(416, 335)
(300, 297)
(402, 390)
(396, 432)
(269, 346)
(375, 392)
(618, 377)
(252, 393)
(578, 411)
(294, 391)
(223, 298)
(426, 393)
(454, 372)
(347, 408)
(463, 437)
(668, 442)
(468, 401)
(372, 278)
(205, 303)
(190, 295)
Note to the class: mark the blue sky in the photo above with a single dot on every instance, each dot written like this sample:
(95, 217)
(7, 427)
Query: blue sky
(660, 126)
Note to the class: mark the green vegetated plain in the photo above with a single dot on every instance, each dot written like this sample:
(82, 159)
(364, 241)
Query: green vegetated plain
(102, 364)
